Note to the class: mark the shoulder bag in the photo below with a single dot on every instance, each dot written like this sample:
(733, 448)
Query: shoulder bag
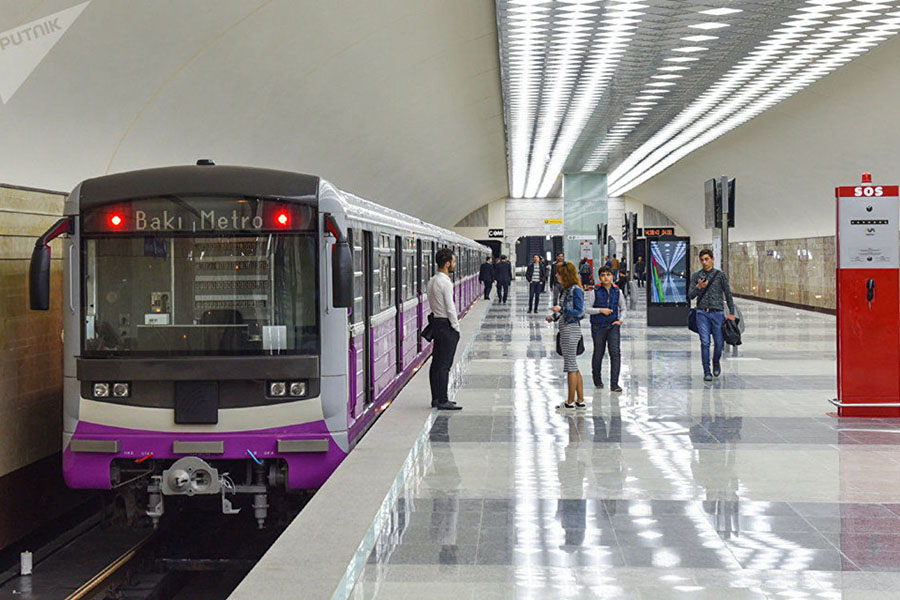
(692, 316)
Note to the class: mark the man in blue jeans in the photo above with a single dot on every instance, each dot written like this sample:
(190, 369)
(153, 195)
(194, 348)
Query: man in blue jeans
(710, 287)
(607, 311)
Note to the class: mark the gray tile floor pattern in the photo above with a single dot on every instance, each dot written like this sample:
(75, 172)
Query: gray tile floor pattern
(743, 488)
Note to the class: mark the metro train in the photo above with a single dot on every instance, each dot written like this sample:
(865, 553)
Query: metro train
(233, 330)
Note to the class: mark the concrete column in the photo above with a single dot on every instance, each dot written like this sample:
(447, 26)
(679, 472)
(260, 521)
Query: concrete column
(584, 207)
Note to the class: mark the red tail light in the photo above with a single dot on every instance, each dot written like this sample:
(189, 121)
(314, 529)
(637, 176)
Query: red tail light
(283, 219)
(116, 220)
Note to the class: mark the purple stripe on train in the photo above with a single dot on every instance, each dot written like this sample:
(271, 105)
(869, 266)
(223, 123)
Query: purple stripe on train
(305, 470)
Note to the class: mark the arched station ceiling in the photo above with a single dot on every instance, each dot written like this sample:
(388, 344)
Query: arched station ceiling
(396, 101)
(788, 161)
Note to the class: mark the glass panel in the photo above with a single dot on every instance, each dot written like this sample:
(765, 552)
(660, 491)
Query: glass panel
(358, 281)
(162, 296)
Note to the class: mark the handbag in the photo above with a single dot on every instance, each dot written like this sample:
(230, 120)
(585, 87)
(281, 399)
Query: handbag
(579, 351)
(692, 316)
(427, 332)
(731, 332)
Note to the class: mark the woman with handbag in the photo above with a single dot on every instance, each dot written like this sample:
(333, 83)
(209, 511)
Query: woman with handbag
(569, 343)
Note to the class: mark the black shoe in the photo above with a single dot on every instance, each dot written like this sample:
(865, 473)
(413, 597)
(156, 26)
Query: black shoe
(434, 404)
(707, 377)
(448, 406)
(615, 388)
(717, 370)
(598, 384)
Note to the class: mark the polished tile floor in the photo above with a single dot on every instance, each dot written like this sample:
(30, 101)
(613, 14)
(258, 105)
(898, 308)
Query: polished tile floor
(743, 488)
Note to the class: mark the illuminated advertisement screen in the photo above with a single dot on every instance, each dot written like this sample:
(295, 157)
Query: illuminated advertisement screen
(668, 273)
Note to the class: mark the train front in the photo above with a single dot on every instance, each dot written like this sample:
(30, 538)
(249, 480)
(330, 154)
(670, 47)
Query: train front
(193, 336)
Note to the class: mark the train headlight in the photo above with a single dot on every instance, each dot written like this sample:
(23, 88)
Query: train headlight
(101, 390)
(277, 389)
(298, 389)
(121, 390)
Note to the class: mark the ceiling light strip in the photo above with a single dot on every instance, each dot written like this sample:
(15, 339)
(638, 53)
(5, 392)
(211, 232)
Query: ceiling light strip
(789, 74)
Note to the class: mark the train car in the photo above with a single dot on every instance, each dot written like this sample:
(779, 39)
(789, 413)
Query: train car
(233, 331)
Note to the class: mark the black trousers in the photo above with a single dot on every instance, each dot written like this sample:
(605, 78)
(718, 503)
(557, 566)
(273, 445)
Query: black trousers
(445, 340)
(502, 291)
(534, 294)
(606, 337)
(487, 289)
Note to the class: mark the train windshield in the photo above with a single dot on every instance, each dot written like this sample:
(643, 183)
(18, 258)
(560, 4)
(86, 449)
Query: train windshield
(240, 293)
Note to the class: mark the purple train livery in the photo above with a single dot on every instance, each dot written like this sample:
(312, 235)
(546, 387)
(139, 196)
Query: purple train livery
(232, 332)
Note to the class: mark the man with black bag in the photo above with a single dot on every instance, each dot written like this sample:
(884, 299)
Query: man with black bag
(710, 287)
(444, 328)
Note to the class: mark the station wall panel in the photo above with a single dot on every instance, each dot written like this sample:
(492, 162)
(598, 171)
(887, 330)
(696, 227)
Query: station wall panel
(30, 341)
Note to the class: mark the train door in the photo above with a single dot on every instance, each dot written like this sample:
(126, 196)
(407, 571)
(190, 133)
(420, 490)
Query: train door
(368, 262)
(400, 298)
(358, 359)
(420, 291)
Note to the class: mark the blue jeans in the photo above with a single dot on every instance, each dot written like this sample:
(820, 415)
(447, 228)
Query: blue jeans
(710, 322)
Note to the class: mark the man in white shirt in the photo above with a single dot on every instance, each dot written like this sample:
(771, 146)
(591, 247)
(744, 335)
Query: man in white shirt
(444, 327)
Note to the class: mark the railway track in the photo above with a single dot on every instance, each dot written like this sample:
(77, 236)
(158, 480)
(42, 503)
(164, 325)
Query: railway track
(196, 555)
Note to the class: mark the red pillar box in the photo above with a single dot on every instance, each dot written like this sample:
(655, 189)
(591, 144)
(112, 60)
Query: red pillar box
(868, 300)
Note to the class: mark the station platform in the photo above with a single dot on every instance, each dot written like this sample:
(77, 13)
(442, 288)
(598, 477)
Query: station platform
(745, 487)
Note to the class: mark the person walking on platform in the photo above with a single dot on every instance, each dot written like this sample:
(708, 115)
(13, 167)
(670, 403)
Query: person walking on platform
(555, 288)
(536, 276)
(614, 265)
(486, 276)
(607, 308)
(639, 271)
(503, 277)
(568, 314)
(445, 329)
(710, 287)
(584, 271)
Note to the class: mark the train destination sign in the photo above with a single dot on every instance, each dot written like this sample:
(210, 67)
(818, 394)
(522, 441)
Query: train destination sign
(199, 215)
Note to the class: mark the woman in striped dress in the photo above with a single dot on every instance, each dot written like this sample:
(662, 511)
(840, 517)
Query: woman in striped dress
(568, 317)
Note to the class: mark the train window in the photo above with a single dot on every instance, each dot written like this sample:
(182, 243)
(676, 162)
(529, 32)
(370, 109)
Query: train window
(402, 289)
(201, 295)
(387, 268)
(426, 266)
(358, 283)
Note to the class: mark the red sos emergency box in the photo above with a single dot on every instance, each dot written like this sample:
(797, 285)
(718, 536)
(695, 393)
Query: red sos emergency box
(868, 300)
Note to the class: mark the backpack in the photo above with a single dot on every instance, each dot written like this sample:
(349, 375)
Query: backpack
(585, 268)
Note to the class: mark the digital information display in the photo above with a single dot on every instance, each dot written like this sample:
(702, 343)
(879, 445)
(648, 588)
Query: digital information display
(668, 274)
(658, 231)
(199, 214)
